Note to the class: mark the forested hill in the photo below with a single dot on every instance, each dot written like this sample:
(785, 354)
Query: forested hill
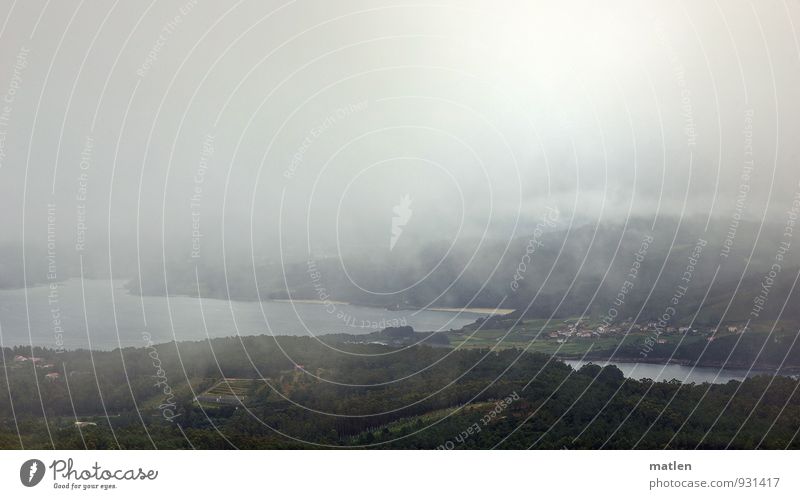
(290, 392)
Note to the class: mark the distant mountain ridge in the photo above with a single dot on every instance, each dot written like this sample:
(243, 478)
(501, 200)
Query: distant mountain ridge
(571, 272)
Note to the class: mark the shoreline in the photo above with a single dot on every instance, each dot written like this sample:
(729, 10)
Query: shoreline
(776, 370)
(475, 310)
(310, 301)
(313, 301)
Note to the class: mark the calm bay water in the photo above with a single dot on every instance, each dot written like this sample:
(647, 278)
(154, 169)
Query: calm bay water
(684, 374)
(114, 318)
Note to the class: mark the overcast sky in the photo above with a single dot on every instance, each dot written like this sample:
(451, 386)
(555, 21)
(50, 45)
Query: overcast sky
(307, 122)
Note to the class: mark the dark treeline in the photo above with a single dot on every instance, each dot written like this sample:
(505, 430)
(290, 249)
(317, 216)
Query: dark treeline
(760, 351)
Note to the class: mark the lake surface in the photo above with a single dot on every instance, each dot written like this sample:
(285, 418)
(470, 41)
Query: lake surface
(666, 372)
(114, 318)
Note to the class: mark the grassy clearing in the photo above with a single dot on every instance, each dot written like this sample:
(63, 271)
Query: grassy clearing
(533, 336)
(408, 425)
(228, 391)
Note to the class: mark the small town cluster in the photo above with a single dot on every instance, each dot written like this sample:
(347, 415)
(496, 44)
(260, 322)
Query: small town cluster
(574, 329)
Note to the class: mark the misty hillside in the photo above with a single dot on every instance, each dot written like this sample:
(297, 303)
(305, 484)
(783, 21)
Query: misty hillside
(571, 271)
